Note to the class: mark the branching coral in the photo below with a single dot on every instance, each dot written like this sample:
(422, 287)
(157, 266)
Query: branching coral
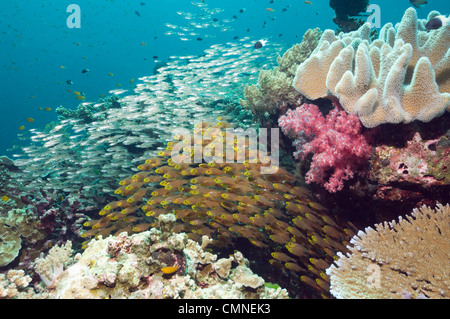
(400, 77)
(404, 259)
(335, 140)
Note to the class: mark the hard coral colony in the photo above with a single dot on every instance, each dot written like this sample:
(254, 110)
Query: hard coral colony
(365, 121)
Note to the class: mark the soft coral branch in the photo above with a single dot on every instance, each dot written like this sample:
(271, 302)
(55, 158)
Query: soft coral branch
(336, 141)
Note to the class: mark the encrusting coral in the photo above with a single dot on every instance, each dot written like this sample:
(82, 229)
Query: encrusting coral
(228, 201)
(159, 264)
(400, 77)
(51, 266)
(404, 259)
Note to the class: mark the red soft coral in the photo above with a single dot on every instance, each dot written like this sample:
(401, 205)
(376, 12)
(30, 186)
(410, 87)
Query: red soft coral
(336, 141)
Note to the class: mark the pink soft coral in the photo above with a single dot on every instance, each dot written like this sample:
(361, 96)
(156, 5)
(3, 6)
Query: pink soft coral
(335, 140)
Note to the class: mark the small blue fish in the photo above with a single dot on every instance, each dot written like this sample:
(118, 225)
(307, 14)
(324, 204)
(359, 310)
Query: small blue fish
(418, 3)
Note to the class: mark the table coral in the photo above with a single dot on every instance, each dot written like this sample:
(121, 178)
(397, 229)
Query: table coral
(336, 142)
(404, 259)
(399, 77)
(130, 267)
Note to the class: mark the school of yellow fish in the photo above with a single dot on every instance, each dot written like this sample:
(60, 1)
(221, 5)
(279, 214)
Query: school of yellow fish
(229, 200)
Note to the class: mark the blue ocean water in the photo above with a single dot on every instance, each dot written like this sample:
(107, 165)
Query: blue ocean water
(122, 40)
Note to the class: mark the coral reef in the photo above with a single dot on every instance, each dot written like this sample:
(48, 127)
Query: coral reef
(229, 202)
(51, 266)
(274, 90)
(89, 148)
(398, 78)
(158, 264)
(16, 226)
(421, 162)
(87, 112)
(404, 259)
(13, 283)
(335, 140)
(205, 191)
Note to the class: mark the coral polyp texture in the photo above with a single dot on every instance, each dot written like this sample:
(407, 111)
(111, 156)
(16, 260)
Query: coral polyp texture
(335, 140)
(404, 259)
(400, 77)
(230, 201)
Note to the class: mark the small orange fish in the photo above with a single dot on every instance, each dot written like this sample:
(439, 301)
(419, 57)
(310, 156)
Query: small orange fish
(270, 9)
(143, 43)
(308, 2)
(22, 127)
(30, 119)
(110, 74)
(169, 270)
